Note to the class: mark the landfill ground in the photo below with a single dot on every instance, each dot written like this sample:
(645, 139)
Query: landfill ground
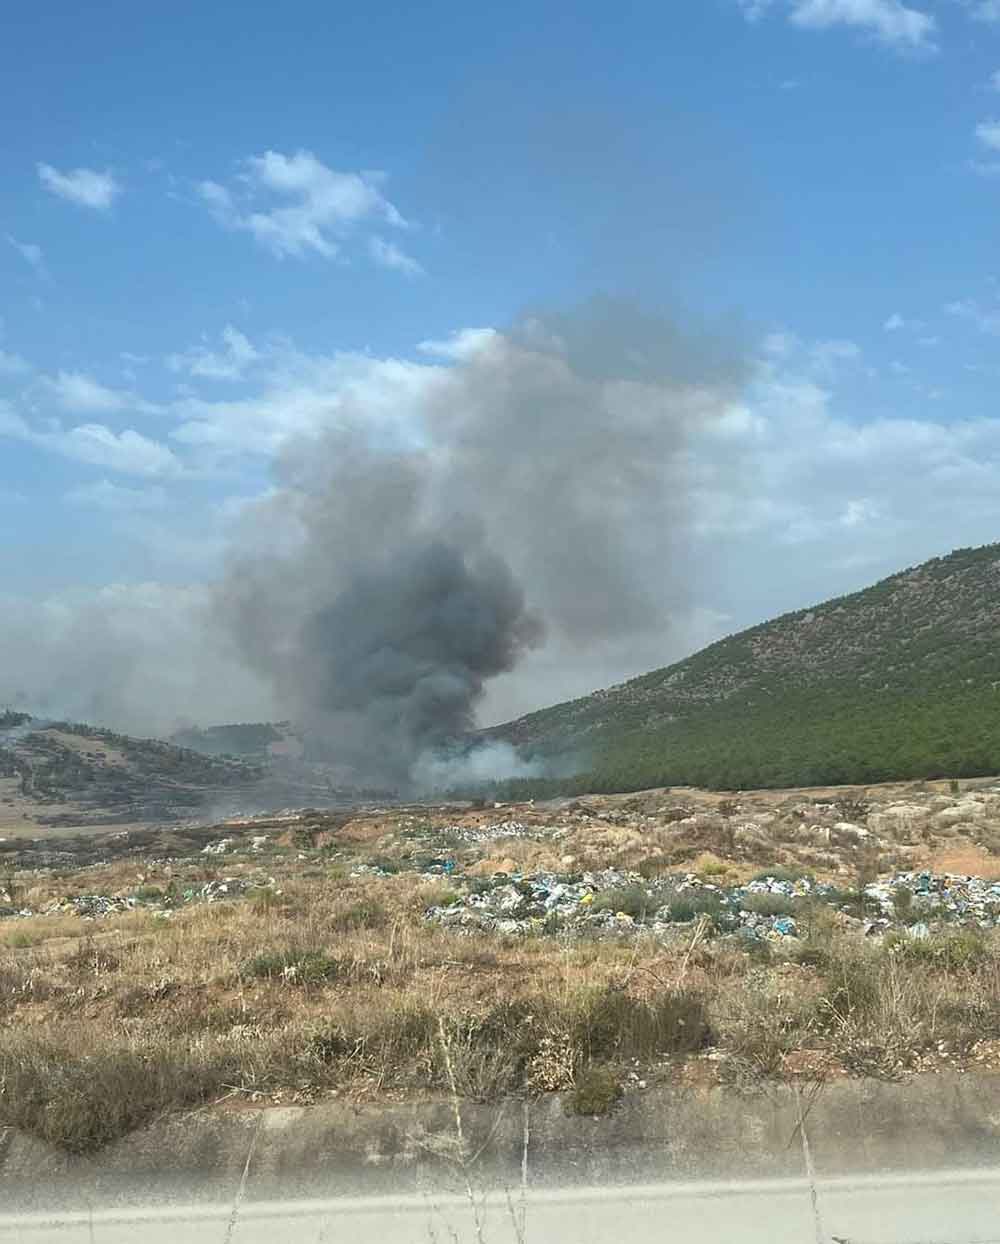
(598, 946)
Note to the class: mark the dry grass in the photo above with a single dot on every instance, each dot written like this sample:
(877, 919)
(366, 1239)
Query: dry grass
(967, 860)
(21, 933)
(327, 982)
(344, 986)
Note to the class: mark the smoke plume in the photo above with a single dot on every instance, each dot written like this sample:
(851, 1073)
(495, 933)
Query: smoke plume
(539, 500)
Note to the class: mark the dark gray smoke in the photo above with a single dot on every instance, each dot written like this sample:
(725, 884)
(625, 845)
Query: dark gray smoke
(404, 651)
(537, 500)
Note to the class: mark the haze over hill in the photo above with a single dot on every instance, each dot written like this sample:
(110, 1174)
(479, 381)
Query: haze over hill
(65, 775)
(899, 680)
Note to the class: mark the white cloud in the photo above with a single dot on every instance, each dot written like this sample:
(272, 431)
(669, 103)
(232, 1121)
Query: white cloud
(76, 391)
(116, 498)
(30, 252)
(827, 356)
(894, 323)
(388, 255)
(890, 21)
(128, 452)
(858, 512)
(848, 496)
(83, 186)
(294, 205)
(968, 309)
(988, 133)
(228, 364)
(754, 10)
(824, 359)
(780, 344)
(302, 395)
(460, 344)
(80, 393)
(217, 197)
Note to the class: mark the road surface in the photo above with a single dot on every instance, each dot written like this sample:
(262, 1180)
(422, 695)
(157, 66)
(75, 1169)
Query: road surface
(950, 1208)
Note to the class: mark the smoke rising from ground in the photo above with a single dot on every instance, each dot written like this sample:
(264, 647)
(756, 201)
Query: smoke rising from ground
(539, 500)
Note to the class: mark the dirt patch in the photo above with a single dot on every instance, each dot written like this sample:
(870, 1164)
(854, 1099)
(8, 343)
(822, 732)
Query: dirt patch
(965, 859)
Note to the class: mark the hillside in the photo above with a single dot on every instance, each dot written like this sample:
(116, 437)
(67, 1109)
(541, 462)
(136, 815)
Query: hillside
(258, 740)
(901, 680)
(62, 774)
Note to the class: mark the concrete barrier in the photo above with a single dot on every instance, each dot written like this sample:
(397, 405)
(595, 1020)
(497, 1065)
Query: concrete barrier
(678, 1132)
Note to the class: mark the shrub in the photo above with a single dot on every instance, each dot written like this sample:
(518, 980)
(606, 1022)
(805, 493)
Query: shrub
(853, 808)
(953, 951)
(300, 967)
(81, 1102)
(632, 900)
(709, 865)
(902, 903)
(655, 866)
(758, 950)
(386, 863)
(790, 875)
(440, 896)
(263, 899)
(812, 956)
(487, 1056)
(89, 957)
(855, 981)
(609, 1023)
(769, 904)
(149, 894)
(595, 1090)
(366, 913)
(684, 905)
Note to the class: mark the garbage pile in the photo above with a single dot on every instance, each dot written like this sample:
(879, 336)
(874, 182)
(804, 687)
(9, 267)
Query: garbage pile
(924, 898)
(228, 887)
(474, 834)
(769, 907)
(100, 906)
(218, 848)
(617, 901)
(89, 906)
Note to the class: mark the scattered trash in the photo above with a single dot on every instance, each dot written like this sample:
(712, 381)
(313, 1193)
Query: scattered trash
(951, 897)
(568, 904)
(89, 906)
(502, 829)
(99, 906)
(217, 848)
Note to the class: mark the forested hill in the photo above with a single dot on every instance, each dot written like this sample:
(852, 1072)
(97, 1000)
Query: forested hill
(899, 680)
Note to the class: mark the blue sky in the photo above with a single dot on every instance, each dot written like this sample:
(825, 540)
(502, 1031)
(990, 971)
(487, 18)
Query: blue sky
(217, 221)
